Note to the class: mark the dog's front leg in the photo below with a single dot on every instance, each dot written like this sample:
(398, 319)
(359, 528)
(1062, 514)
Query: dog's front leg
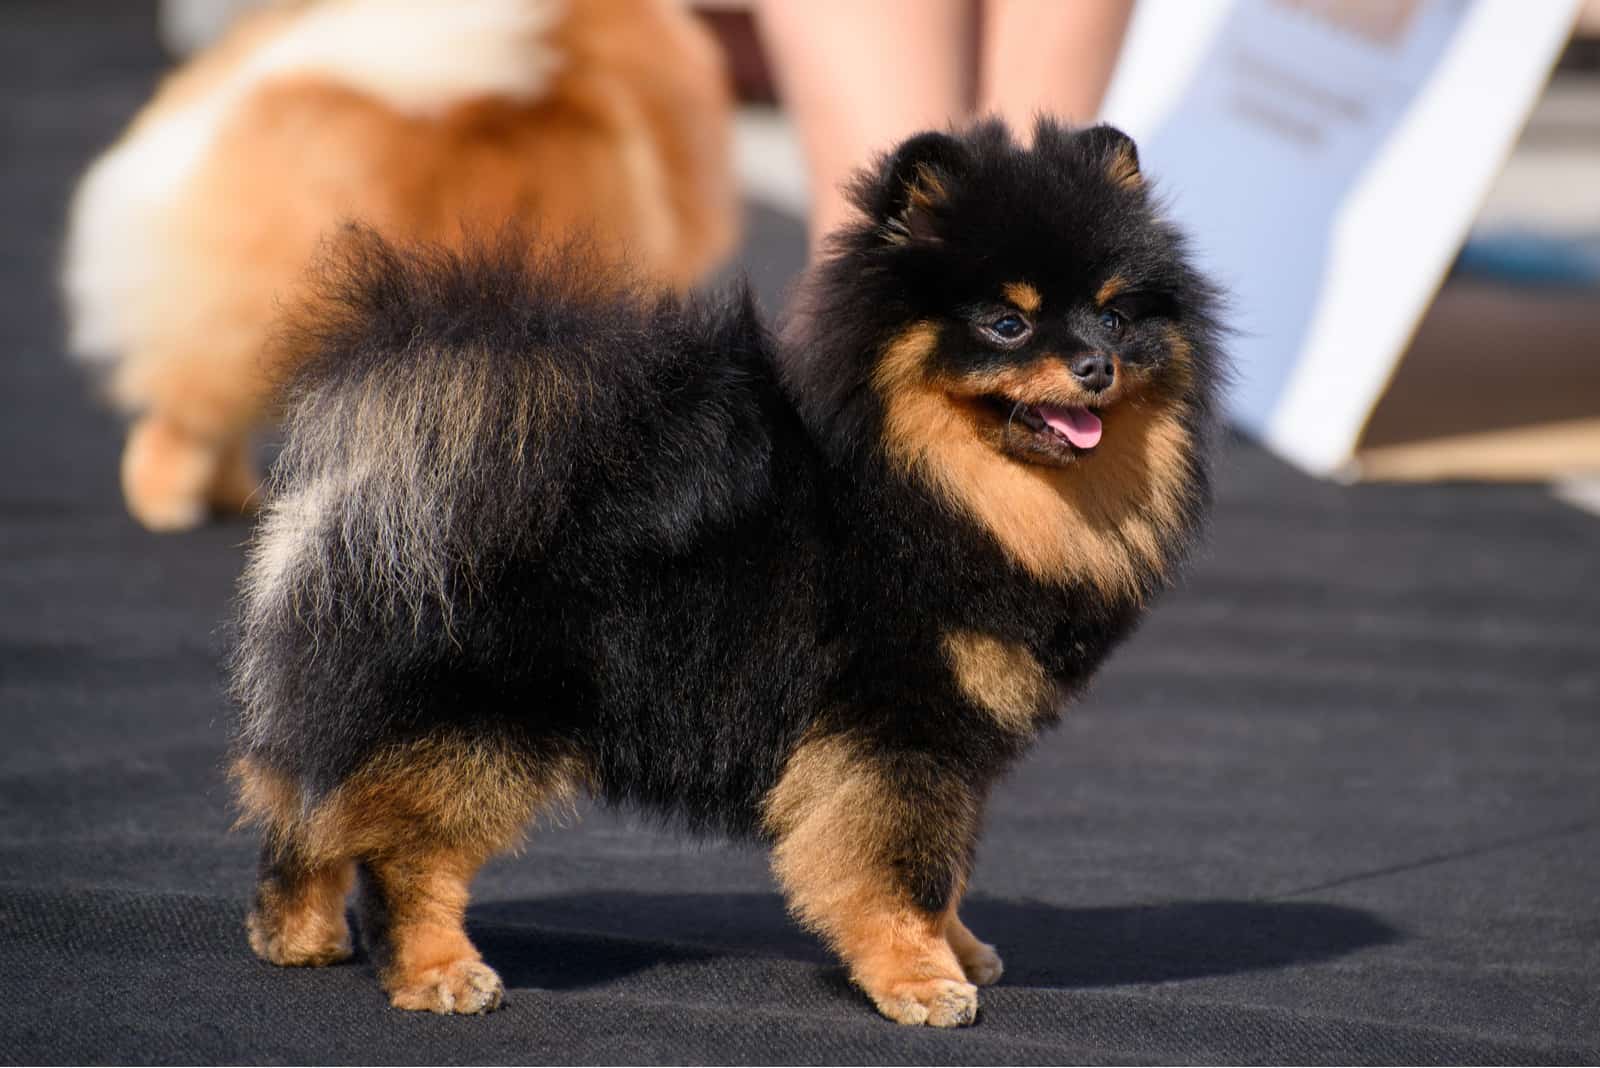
(872, 851)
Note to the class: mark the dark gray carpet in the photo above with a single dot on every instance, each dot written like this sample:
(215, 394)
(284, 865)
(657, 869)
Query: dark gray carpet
(1336, 803)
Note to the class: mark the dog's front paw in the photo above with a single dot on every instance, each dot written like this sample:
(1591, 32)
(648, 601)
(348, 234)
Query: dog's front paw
(935, 1002)
(981, 964)
(464, 987)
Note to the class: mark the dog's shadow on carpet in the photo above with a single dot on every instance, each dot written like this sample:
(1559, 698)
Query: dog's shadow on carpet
(572, 941)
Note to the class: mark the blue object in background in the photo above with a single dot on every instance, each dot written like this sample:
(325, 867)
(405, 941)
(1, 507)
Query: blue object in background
(1523, 257)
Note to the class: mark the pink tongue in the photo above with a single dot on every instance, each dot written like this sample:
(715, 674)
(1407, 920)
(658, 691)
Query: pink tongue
(1078, 425)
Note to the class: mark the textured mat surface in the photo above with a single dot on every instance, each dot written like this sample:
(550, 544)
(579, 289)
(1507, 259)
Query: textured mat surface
(1336, 803)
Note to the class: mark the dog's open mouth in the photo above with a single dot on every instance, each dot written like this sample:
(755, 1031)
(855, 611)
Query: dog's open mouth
(1046, 433)
(1078, 427)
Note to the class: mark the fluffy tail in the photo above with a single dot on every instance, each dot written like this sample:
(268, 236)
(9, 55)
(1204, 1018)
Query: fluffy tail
(430, 415)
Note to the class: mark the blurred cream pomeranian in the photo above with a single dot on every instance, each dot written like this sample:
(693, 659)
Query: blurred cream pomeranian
(426, 120)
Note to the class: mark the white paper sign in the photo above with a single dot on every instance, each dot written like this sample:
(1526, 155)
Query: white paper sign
(1328, 156)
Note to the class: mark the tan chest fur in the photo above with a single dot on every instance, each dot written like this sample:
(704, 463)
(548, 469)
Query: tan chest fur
(1002, 678)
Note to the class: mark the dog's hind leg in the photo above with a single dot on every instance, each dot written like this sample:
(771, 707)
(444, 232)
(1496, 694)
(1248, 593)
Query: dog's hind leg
(421, 818)
(188, 453)
(417, 819)
(174, 478)
(404, 818)
(298, 917)
(412, 911)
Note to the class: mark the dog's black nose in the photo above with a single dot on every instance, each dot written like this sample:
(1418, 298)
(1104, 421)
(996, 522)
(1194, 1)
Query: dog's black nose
(1094, 369)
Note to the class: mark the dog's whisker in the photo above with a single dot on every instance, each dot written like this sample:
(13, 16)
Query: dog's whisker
(1015, 408)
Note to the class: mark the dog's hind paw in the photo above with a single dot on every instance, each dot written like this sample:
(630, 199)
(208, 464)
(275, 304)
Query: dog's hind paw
(304, 944)
(935, 1002)
(464, 987)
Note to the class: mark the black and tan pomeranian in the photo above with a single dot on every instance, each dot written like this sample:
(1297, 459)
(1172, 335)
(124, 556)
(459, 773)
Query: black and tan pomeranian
(531, 538)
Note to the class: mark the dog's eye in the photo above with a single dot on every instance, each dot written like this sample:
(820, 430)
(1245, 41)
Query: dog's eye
(1113, 321)
(1009, 328)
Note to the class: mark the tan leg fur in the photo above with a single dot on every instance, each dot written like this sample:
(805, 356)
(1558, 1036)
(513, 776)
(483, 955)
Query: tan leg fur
(840, 829)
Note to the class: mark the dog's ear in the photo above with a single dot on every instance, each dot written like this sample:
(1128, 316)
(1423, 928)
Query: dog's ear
(1116, 153)
(914, 187)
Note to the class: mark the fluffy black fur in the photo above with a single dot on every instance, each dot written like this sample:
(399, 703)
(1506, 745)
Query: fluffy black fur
(671, 547)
